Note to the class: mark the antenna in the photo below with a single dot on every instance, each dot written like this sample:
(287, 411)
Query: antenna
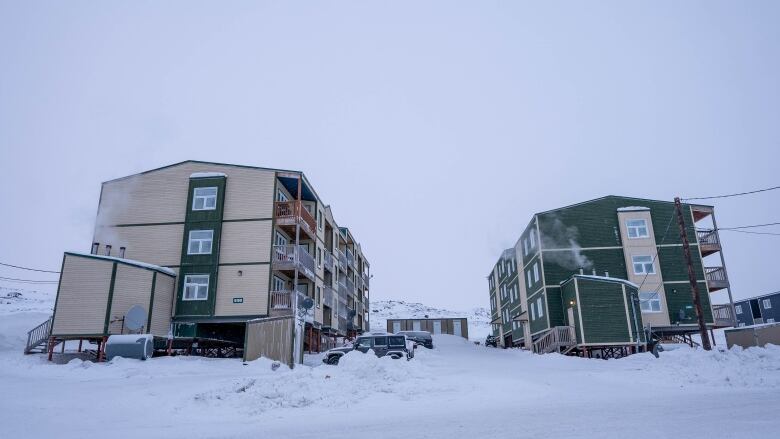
(135, 318)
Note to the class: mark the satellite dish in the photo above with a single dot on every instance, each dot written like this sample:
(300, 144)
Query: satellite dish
(135, 318)
(307, 303)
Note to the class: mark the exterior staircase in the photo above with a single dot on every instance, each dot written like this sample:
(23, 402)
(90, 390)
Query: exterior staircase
(560, 339)
(38, 338)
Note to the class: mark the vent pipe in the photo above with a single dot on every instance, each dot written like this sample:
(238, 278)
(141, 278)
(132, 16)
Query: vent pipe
(606, 274)
(582, 270)
(122, 252)
(95, 248)
(108, 249)
(594, 272)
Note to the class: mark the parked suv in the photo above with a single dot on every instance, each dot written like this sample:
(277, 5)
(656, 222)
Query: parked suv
(420, 337)
(491, 340)
(394, 346)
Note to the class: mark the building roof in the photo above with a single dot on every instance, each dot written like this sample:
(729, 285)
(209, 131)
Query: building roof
(132, 262)
(614, 196)
(602, 279)
(758, 297)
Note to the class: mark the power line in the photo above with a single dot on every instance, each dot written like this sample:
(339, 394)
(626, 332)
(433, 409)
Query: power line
(30, 269)
(28, 281)
(732, 195)
(749, 227)
(752, 233)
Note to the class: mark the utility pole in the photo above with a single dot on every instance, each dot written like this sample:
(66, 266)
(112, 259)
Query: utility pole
(705, 339)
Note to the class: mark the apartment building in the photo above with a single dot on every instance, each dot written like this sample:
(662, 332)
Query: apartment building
(242, 243)
(592, 265)
(758, 310)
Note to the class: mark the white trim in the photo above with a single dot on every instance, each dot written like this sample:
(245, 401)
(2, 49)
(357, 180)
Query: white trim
(765, 302)
(650, 301)
(205, 198)
(628, 316)
(579, 309)
(644, 265)
(636, 228)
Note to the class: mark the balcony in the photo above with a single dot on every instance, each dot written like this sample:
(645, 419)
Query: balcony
(365, 279)
(289, 257)
(282, 301)
(328, 261)
(723, 316)
(709, 241)
(716, 278)
(341, 258)
(350, 259)
(350, 286)
(288, 214)
(327, 296)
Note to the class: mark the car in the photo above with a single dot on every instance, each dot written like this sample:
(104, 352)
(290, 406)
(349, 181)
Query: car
(420, 337)
(383, 345)
(491, 340)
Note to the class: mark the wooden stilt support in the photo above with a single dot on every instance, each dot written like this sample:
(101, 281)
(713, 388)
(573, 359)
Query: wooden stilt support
(50, 347)
(712, 337)
(62, 349)
(101, 349)
(80, 341)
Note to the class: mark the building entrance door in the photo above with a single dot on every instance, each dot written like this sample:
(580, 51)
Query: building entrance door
(456, 329)
(571, 316)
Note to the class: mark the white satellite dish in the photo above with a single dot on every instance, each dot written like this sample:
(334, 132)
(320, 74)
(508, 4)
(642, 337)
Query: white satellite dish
(135, 318)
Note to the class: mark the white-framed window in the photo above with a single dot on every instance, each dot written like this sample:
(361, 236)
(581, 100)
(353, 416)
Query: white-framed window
(200, 242)
(770, 320)
(281, 196)
(539, 308)
(637, 228)
(532, 239)
(741, 324)
(738, 309)
(319, 257)
(650, 301)
(525, 247)
(536, 272)
(528, 275)
(196, 287)
(204, 198)
(533, 312)
(767, 303)
(279, 284)
(319, 291)
(643, 264)
(319, 220)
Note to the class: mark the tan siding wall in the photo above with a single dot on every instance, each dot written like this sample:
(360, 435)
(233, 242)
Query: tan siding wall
(252, 285)
(82, 296)
(245, 241)
(159, 245)
(161, 196)
(639, 247)
(133, 286)
(163, 303)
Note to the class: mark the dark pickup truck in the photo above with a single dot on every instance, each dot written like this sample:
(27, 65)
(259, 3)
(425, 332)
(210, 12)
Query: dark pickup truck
(420, 337)
(394, 346)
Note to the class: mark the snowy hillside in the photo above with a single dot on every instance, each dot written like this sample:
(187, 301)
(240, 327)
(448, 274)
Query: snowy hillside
(17, 300)
(381, 310)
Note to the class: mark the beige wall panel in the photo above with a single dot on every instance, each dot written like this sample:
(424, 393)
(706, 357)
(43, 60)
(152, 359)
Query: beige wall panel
(158, 245)
(163, 304)
(82, 297)
(133, 286)
(252, 285)
(245, 241)
(639, 247)
(161, 196)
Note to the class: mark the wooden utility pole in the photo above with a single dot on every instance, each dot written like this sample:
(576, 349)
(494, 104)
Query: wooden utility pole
(705, 339)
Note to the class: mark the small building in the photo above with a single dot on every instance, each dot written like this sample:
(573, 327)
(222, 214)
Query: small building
(443, 325)
(758, 310)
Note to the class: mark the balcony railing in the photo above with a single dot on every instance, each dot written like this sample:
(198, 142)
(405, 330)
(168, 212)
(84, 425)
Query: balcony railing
(289, 257)
(350, 285)
(709, 241)
(723, 315)
(328, 261)
(283, 299)
(290, 213)
(327, 296)
(716, 278)
(350, 259)
(342, 258)
(365, 280)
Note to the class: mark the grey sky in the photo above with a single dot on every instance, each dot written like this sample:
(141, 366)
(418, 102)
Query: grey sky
(434, 129)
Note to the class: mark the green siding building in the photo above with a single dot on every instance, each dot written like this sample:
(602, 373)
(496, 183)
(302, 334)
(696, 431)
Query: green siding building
(601, 248)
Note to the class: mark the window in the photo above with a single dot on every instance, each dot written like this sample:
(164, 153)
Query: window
(539, 310)
(637, 228)
(767, 303)
(532, 238)
(536, 272)
(196, 287)
(525, 247)
(319, 291)
(643, 265)
(319, 220)
(770, 320)
(528, 275)
(319, 257)
(280, 196)
(742, 324)
(650, 302)
(533, 312)
(279, 284)
(204, 198)
(200, 242)
(364, 343)
(738, 309)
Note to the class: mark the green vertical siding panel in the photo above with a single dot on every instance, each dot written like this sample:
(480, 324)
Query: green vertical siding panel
(555, 306)
(673, 264)
(603, 311)
(679, 301)
(539, 324)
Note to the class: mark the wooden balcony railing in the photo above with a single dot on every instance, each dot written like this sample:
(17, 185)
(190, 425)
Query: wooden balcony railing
(554, 339)
(328, 260)
(716, 278)
(293, 212)
(281, 299)
(288, 257)
(723, 315)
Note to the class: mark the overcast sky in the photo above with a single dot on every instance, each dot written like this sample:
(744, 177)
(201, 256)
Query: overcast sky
(434, 129)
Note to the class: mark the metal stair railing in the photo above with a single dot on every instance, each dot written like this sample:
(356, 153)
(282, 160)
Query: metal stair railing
(37, 336)
(554, 339)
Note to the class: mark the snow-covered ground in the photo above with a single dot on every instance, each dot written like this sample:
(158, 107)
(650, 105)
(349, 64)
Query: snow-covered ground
(381, 310)
(457, 389)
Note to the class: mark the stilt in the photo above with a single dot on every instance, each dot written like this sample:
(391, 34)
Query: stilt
(62, 349)
(712, 337)
(101, 349)
(50, 347)
(170, 345)
(80, 341)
